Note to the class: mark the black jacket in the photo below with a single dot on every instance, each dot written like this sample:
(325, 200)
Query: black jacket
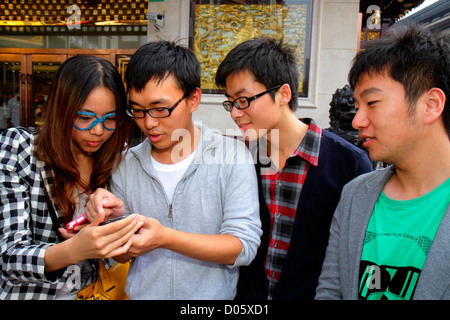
(339, 162)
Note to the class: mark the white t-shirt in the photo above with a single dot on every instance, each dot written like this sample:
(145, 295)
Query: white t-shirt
(171, 174)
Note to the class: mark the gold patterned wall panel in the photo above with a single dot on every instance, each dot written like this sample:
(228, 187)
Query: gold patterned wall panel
(47, 12)
(219, 28)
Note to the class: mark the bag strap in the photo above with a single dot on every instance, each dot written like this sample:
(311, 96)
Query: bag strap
(53, 215)
(102, 272)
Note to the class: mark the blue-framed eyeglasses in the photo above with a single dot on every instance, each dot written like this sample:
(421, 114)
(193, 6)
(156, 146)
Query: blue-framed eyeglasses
(87, 120)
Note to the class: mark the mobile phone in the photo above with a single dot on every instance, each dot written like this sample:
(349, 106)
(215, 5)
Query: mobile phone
(111, 220)
(80, 220)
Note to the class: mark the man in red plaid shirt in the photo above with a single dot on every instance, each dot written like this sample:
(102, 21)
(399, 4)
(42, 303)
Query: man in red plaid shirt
(301, 169)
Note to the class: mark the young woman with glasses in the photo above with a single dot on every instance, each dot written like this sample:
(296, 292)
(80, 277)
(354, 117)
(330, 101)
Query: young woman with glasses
(74, 152)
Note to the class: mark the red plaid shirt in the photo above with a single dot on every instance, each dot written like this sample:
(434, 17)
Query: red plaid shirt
(282, 192)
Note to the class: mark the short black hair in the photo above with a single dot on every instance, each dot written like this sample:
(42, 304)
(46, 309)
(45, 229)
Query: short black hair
(159, 59)
(414, 56)
(268, 60)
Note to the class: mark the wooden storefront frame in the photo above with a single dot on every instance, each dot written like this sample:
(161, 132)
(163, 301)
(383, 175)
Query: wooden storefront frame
(26, 57)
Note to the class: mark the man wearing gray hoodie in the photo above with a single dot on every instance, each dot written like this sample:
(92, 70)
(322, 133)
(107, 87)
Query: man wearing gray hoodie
(195, 190)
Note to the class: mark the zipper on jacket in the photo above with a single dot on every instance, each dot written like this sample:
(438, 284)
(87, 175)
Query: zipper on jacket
(172, 264)
(170, 211)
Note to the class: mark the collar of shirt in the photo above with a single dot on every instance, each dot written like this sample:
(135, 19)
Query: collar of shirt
(308, 149)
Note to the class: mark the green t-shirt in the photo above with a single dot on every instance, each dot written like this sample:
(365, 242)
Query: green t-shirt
(397, 241)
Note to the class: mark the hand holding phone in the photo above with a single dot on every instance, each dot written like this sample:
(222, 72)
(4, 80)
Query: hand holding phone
(113, 220)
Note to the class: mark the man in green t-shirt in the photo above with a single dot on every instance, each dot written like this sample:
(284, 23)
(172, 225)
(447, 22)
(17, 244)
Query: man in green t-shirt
(390, 236)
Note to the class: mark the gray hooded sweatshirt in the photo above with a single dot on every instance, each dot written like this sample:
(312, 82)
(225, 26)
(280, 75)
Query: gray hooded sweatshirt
(218, 194)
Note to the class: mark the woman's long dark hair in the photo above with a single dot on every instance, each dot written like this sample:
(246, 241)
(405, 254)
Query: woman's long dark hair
(74, 80)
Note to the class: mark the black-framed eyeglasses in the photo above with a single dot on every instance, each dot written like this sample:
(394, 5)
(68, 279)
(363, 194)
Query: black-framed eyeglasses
(160, 112)
(244, 102)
